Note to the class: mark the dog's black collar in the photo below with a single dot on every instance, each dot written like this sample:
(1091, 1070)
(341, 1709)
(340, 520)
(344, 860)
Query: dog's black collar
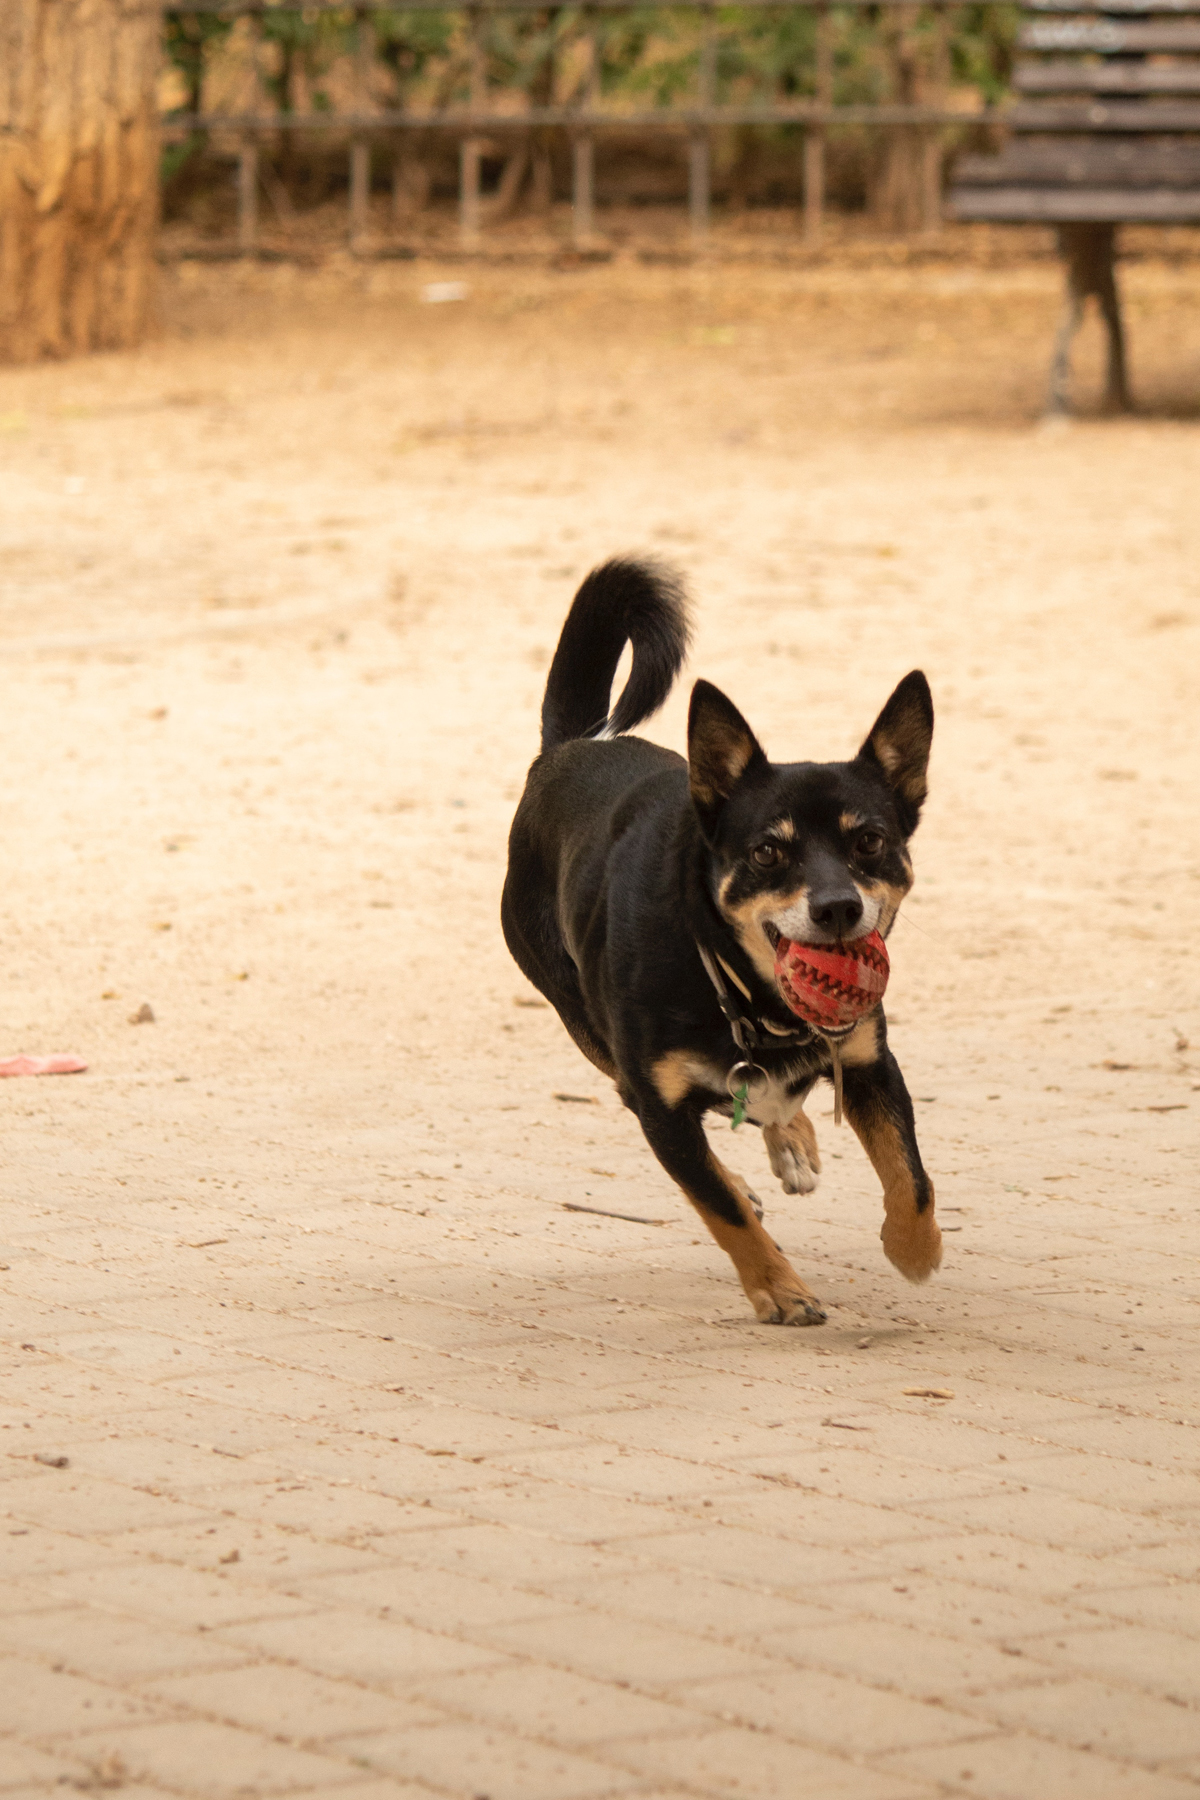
(749, 1033)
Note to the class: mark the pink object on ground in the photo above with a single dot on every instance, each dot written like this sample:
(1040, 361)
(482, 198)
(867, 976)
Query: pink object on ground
(42, 1065)
(832, 985)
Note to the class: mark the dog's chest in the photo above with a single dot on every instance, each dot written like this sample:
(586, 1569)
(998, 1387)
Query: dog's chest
(776, 1104)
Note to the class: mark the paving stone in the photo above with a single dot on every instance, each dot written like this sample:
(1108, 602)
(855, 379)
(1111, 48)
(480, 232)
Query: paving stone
(189, 1470)
(732, 1764)
(469, 1759)
(110, 1648)
(25, 1768)
(63, 1502)
(337, 1511)
(563, 1708)
(289, 1702)
(409, 1591)
(833, 1711)
(1012, 1767)
(573, 1513)
(85, 1776)
(354, 1644)
(623, 1650)
(267, 1555)
(955, 1608)
(690, 1603)
(1158, 1661)
(1174, 1607)
(1094, 1716)
(30, 1551)
(195, 1756)
(913, 1659)
(40, 1702)
(170, 1594)
(369, 1787)
(1041, 1517)
(1014, 1566)
(515, 1555)
(605, 1469)
(752, 1557)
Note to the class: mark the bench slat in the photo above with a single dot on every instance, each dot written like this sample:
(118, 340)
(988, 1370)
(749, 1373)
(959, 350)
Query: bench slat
(1104, 116)
(1066, 77)
(1123, 7)
(1108, 38)
(1085, 162)
(1033, 205)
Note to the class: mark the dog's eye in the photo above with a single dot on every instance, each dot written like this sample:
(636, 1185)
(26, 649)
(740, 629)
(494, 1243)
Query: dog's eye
(869, 843)
(766, 856)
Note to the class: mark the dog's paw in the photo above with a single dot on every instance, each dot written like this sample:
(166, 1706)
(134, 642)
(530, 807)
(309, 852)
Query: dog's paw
(913, 1245)
(792, 1153)
(792, 1169)
(787, 1302)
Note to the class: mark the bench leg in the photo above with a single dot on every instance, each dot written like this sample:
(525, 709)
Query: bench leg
(1116, 388)
(1089, 253)
(1058, 402)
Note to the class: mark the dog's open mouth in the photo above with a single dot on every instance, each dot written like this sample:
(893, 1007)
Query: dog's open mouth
(830, 986)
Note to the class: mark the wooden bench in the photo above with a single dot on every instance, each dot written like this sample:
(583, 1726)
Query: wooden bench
(1106, 132)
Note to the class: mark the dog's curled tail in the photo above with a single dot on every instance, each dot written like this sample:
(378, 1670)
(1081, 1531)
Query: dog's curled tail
(635, 601)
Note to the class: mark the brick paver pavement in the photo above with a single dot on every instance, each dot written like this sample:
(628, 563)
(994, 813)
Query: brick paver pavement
(385, 1476)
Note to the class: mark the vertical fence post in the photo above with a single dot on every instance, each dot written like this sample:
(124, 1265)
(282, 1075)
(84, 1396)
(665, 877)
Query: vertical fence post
(360, 148)
(470, 155)
(247, 196)
(699, 185)
(583, 149)
(700, 142)
(814, 137)
(931, 157)
(583, 170)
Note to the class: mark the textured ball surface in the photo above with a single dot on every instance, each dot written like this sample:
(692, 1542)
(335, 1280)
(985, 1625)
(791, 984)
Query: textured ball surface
(832, 985)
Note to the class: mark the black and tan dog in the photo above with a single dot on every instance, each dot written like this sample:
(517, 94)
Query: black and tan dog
(628, 868)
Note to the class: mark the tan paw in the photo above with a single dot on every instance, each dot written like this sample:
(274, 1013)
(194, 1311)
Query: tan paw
(786, 1301)
(792, 1153)
(792, 1168)
(913, 1245)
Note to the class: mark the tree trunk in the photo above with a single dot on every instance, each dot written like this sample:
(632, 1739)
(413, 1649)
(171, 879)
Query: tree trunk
(898, 185)
(79, 155)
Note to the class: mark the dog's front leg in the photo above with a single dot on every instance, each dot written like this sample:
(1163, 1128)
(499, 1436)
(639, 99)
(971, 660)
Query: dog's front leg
(775, 1291)
(879, 1109)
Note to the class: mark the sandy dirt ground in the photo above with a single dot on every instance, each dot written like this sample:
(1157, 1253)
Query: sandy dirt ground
(386, 1473)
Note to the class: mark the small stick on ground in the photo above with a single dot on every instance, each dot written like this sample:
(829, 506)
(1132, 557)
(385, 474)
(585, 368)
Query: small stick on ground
(603, 1213)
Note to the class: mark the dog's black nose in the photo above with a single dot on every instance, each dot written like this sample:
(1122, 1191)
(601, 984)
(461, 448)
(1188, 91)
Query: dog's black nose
(840, 914)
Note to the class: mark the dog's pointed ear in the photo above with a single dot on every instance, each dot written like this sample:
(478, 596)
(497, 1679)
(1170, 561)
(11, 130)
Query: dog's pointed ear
(721, 749)
(898, 744)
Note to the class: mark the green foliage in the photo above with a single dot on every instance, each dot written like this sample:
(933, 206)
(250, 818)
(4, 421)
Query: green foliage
(307, 44)
(645, 56)
(982, 47)
(649, 53)
(188, 38)
(410, 44)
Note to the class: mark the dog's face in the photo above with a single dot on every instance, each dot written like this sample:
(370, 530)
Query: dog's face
(811, 851)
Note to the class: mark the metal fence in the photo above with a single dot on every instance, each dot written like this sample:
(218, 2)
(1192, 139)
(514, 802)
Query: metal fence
(481, 129)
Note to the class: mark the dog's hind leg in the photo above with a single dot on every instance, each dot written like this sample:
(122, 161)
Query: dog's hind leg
(792, 1149)
(533, 939)
(724, 1202)
(879, 1109)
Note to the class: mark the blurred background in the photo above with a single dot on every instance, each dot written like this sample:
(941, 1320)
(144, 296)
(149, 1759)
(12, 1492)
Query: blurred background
(343, 1454)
